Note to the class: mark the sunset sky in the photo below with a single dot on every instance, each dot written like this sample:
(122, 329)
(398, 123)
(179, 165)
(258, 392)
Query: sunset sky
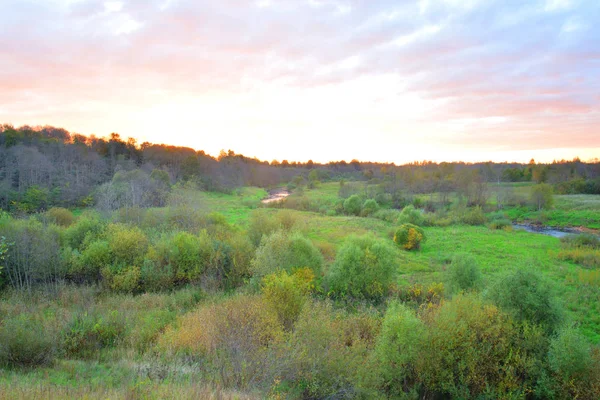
(379, 80)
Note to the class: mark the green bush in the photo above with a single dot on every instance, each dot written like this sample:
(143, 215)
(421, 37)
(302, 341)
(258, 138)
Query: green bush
(154, 276)
(473, 216)
(189, 255)
(325, 354)
(128, 245)
(570, 355)
(582, 240)
(464, 274)
(286, 294)
(387, 215)
(542, 196)
(60, 216)
(87, 333)
(396, 351)
(85, 230)
(410, 215)
(369, 207)
(500, 224)
(352, 205)
(282, 251)
(96, 256)
(25, 342)
(122, 279)
(468, 352)
(363, 268)
(409, 237)
(34, 256)
(262, 223)
(528, 296)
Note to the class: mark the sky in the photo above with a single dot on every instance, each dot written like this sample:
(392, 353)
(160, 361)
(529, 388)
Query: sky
(374, 80)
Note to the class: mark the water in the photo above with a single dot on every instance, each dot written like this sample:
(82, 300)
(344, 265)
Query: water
(276, 196)
(554, 232)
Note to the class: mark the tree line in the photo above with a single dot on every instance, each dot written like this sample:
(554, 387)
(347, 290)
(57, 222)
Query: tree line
(41, 167)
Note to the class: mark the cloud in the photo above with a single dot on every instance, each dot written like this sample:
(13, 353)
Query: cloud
(532, 65)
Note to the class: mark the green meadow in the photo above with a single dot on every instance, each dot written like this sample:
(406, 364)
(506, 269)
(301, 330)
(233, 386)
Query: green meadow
(135, 327)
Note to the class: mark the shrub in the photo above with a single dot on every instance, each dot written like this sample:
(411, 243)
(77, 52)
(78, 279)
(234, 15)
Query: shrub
(570, 355)
(583, 240)
(541, 196)
(123, 279)
(325, 353)
(410, 215)
(584, 256)
(127, 244)
(232, 336)
(261, 224)
(60, 216)
(34, 255)
(528, 296)
(499, 221)
(188, 255)
(240, 266)
(369, 207)
(87, 333)
(287, 294)
(466, 352)
(96, 256)
(352, 205)
(24, 342)
(85, 230)
(387, 215)
(281, 251)
(363, 268)
(464, 274)
(409, 237)
(396, 351)
(473, 216)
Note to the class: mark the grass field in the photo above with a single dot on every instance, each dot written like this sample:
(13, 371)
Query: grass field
(135, 367)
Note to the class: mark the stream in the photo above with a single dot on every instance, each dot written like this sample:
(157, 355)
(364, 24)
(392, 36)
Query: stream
(554, 232)
(276, 196)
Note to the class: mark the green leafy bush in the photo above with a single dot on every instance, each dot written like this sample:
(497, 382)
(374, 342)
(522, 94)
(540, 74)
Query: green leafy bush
(387, 215)
(86, 229)
(528, 296)
(410, 215)
(467, 352)
(325, 353)
(87, 333)
(128, 245)
(282, 251)
(396, 351)
(262, 223)
(363, 268)
(464, 274)
(287, 294)
(473, 216)
(34, 256)
(570, 355)
(60, 216)
(409, 237)
(25, 342)
(542, 196)
(369, 207)
(93, 259)
(123, 279)
(353, 205)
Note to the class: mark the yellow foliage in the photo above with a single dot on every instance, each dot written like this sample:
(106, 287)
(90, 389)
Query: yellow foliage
(241, 322)
(286, 294)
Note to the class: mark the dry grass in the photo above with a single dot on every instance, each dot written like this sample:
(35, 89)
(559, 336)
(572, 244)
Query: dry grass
(23, 391)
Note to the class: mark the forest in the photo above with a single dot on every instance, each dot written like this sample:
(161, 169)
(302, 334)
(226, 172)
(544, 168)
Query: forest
(149, 271)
